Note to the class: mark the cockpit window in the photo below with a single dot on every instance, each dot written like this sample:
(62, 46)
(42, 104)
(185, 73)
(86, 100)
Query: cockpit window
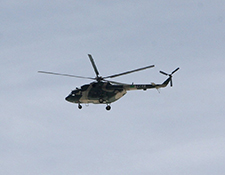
(76, 92)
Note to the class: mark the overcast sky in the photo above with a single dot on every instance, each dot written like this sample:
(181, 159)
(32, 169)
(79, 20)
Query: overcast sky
(179, 131)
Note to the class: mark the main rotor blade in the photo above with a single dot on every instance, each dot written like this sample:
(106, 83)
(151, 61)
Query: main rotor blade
(94, 65)
(128, 72)
(175, 70)
(67, 75)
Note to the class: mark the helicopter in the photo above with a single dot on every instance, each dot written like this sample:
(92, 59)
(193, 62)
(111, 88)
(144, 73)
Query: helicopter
(104, 91)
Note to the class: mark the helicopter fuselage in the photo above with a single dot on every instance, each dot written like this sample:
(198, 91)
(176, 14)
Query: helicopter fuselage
(97, 93)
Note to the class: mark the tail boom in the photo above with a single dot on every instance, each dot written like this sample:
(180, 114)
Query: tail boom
(146, 86)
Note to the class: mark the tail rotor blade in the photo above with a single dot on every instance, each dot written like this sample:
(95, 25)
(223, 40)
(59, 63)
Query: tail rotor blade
(175, 70)
(163, 73)
(171, 83)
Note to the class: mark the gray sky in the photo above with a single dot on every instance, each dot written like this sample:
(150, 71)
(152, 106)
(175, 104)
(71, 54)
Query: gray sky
(178, 131)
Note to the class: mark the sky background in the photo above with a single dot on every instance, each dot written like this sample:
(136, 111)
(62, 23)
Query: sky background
(179, 131)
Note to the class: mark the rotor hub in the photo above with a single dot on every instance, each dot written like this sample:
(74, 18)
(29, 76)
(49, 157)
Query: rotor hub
(99, 78)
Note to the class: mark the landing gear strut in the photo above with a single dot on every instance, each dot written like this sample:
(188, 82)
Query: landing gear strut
(79, 106)
(108, 107)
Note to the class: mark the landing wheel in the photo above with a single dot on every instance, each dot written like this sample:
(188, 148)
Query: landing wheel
(108, 107)
(79, 106)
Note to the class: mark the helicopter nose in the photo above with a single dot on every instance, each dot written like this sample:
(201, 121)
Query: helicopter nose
(68, 98)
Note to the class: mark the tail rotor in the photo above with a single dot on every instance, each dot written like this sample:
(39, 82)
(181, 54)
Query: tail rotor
(170, 75)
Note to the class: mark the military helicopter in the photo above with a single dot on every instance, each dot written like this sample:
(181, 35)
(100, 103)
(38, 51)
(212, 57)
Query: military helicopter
(104, 91)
